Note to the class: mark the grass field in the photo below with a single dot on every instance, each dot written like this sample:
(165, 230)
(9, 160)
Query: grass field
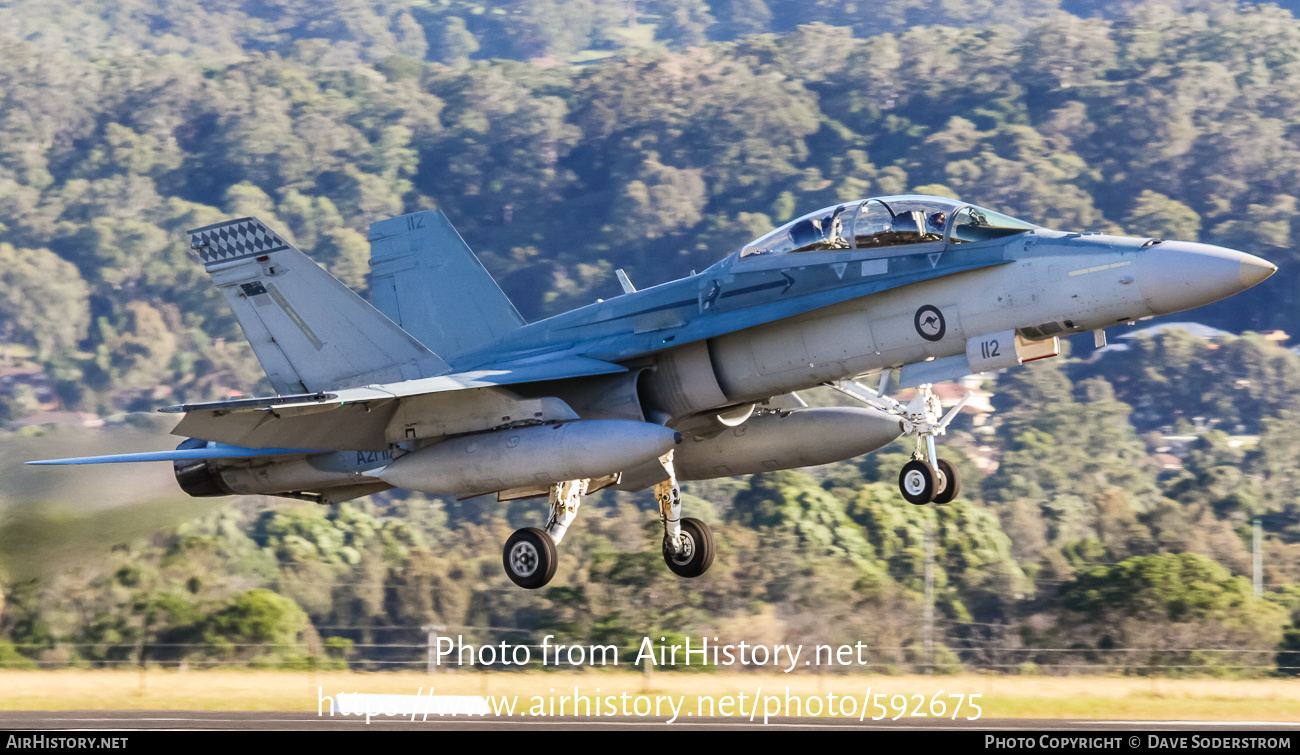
(1001, 696)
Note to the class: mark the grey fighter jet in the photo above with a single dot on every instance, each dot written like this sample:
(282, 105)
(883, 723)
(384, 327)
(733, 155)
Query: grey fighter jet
(441, 387)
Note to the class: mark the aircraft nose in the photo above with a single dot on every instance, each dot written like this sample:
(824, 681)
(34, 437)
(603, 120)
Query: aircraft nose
(1179, 275)
(1254, 270)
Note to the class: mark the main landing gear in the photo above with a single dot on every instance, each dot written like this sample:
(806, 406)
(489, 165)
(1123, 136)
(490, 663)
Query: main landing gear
(926, 478)
(688, 543)
(530, 555)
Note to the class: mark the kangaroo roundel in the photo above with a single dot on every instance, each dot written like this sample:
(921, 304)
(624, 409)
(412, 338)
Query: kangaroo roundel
(929, 323)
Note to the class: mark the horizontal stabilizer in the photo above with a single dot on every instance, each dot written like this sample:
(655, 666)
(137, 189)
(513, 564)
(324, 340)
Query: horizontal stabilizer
(180, 454)
(309, 331)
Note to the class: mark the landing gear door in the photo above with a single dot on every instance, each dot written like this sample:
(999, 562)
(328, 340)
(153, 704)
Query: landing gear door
(997, 351)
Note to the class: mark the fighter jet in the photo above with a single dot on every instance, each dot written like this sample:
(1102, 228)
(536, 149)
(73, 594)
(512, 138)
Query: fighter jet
(441, 387)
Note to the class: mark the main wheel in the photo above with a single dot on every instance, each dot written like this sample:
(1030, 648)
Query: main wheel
(530, 558)
(697, 549)
(951, 482)
(918, 482)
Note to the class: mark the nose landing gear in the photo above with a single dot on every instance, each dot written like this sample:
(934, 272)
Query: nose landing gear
(926, 478)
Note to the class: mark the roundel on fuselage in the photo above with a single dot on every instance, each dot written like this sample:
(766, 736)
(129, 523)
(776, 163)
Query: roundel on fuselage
(929, 323)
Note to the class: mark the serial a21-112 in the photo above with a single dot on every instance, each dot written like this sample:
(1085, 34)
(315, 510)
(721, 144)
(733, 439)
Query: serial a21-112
(440, 386)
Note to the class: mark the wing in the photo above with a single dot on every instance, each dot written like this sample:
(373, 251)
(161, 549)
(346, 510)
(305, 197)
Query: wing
(370, 418)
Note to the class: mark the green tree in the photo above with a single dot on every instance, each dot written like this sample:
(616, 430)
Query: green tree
(738, 18)
(455, 44)
(43, 301)
(258, 618)
(1156, 215)
(140, 353)
(791, 501)
(1288, 652)
(1177, 607)
(682, 23)
(977, 577)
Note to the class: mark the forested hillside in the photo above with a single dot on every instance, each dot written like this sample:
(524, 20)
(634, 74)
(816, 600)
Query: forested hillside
(566, 139)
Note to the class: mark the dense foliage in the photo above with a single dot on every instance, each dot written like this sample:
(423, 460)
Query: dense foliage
(567, 139)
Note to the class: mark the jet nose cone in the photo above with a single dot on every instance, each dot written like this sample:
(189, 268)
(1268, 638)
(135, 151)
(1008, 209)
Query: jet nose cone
(1254, 270)
(1180, 275)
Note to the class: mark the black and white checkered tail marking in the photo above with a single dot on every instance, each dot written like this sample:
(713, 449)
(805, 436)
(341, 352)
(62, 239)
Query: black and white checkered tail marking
(234, 240)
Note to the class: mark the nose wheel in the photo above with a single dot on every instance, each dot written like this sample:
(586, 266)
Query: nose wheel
(922, 483)
(926, 478)
(918, 481)
(951, 486)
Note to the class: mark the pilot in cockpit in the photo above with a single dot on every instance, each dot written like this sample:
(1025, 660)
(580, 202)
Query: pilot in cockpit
(935, 222)
(836, 238)
(826, 232)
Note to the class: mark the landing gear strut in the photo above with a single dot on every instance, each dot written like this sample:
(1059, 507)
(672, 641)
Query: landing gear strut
(926, 478)
(688, 543)
(530, 556)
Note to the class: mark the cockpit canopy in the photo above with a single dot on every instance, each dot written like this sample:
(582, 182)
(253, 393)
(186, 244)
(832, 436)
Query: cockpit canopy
(887, 221)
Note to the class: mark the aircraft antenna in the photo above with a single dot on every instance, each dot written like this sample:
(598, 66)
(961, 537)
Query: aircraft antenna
(625, 282)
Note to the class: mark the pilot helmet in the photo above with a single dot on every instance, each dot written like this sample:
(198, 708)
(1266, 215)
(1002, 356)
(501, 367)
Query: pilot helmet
(937, 220)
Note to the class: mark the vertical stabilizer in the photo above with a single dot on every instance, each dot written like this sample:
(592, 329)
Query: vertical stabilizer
(426, 279)
(309, 331)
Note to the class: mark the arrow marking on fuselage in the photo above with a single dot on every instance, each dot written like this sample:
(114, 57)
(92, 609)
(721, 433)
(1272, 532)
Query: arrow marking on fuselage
(785, 286)
(934, 259)
(839, 268)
